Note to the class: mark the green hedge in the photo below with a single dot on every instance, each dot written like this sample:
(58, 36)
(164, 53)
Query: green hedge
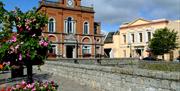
(162, 66)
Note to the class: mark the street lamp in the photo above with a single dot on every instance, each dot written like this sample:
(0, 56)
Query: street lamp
(76, 59)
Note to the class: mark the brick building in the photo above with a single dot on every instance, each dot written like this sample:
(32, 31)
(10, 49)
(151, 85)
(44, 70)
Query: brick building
(72, 29)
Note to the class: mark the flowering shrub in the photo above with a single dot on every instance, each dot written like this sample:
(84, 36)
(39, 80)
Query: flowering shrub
(27, 44)
(5, 66)
(36, 86)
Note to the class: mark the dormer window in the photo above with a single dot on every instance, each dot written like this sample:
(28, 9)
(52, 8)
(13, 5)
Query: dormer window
(51, 25)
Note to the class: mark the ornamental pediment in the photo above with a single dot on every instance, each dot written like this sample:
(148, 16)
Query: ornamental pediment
(70, 37)
(139, 22)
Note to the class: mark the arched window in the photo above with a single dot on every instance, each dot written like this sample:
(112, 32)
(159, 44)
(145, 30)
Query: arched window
(69, 25)
(86, 28)
(51, 25)
(86, 49)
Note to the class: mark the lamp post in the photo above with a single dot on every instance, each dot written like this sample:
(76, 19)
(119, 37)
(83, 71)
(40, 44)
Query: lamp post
(76, 59)
(98, 59)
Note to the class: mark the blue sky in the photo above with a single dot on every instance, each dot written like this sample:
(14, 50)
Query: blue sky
(112, 13)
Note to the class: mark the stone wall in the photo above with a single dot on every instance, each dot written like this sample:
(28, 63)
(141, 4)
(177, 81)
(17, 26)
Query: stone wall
(107, 78)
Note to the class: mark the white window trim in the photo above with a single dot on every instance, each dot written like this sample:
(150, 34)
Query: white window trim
(54, 24)
(124, 38)
(139, 38)
(56, 48)
(132, 37)
(73, 25)
(90, 48)
(84, 27)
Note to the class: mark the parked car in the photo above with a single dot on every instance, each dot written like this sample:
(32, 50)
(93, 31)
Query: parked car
(149, 59)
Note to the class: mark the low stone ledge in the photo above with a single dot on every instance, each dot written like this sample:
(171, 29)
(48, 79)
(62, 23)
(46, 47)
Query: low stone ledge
(128, 71)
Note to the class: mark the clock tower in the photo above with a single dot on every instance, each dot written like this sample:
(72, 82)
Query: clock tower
(72, 3)
(72, 29)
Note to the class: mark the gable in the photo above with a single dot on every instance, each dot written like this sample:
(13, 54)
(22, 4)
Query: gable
(138, 22)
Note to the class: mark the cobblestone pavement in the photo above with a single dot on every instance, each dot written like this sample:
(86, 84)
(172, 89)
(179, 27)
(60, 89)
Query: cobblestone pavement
(64, 83)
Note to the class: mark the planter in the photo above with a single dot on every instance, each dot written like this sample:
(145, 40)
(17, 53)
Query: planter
(17, 71)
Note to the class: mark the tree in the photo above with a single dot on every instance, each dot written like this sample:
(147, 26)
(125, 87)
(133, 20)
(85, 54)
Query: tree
(163, 41)
(27, 46)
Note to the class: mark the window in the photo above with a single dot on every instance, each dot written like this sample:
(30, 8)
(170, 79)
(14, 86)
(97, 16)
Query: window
(86, 49)
(140, 37)
(124, 37)
(149, 36)
(95, 29)
(86, 28)
(51, 25)
(132, 38)
(53, 49)
(69, 25)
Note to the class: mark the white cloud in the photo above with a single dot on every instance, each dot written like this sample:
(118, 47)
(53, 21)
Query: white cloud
(118, 11)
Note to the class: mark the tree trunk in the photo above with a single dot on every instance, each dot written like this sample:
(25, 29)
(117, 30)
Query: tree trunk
(29, 73)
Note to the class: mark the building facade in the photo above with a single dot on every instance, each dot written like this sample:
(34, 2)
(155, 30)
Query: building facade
(111, 45)
(72, 29)
(134, 38)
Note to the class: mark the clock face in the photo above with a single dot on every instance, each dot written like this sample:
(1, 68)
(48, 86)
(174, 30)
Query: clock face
(70, 2)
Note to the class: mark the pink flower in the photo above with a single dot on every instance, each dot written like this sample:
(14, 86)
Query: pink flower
(20, 56)
(14, 39)
(17, 46)
(6, 63)
(28, 86)
(45, 44)
(23, 82)
(34, 89)
(18, 86)
(33, 35)
(41, 42)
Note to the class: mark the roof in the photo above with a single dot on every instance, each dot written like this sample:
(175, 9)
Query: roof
(141, 21)
(55, 4)
(109, 37)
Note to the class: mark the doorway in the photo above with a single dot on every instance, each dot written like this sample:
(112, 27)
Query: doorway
(107, 53)
(69, 51)
(138, 51)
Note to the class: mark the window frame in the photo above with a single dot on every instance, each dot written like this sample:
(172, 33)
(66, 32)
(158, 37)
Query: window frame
(71, 23)
(124, 38)
(140, 37)
(55, 46)
(88, 48)
(86, 26)
(54, 25)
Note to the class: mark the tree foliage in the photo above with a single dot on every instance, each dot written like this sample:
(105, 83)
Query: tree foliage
(163, 41)
(27, 43)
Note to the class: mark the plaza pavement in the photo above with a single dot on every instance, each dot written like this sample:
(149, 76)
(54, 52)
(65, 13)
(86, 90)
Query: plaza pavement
(64, 83)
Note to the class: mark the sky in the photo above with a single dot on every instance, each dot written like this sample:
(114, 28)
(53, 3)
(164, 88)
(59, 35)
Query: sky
(113, 13)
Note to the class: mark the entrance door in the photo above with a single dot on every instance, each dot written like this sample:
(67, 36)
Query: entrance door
(69, 51)
(138, 51)
(107, 53)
